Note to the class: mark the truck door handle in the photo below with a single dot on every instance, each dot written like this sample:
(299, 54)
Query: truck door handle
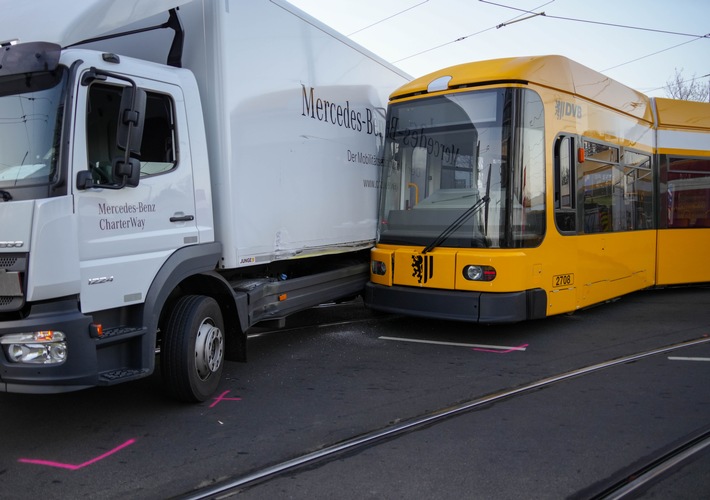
(182, 218)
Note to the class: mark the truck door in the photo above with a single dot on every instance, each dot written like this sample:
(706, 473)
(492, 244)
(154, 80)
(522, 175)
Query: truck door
(126, 234)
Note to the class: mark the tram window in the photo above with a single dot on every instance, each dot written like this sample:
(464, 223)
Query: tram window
(636, 209)
(686, 197)
(596, 151)
(526, 175)
(565, 215)
(617, 188)
(598, 179)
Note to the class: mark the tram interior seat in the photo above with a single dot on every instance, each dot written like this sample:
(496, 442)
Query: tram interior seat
(702, 222)
(681, 222)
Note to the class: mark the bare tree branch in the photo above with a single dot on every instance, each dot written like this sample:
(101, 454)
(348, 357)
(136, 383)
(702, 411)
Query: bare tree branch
(694, 89)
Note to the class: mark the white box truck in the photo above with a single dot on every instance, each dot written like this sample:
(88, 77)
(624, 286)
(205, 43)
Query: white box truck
(181, 174)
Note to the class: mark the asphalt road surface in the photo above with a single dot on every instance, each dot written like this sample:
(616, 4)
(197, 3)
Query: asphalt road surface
(526, 410)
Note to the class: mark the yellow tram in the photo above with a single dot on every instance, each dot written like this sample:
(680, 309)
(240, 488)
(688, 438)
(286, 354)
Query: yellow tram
(522, 188)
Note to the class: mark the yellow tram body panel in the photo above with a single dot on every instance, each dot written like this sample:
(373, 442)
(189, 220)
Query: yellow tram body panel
(683, 256)
(574, 272)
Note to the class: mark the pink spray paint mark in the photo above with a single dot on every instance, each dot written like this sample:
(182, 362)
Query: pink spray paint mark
(506, 351)
(221, 398)
(61, 465)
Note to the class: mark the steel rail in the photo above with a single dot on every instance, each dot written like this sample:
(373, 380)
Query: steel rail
(637, 481)
(230, 487)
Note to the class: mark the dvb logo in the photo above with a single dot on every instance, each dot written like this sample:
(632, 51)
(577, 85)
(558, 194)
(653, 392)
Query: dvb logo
(567, 109)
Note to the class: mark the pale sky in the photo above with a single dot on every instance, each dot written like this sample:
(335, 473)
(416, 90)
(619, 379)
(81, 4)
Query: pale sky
(421, 36)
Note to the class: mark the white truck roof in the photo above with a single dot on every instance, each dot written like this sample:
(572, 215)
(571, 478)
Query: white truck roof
(66, 22)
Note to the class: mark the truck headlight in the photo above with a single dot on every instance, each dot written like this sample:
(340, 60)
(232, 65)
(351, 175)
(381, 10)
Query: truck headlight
(43, 347)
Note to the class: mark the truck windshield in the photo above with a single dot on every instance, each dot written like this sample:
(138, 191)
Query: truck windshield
(31, 107)
(444, 154)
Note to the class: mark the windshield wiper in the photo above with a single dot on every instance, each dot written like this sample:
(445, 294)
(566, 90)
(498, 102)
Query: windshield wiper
(460, 220)
(6, 196)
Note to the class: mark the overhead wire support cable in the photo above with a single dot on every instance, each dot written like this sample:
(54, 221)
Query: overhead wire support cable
(388, 17)
(563, 18)
(502, 25)
(602, 23)
(515, 19)
(651, 54)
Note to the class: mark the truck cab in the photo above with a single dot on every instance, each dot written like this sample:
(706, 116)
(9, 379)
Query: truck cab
(87, 151)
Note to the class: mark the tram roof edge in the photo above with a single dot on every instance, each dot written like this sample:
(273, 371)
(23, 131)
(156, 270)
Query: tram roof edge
(686, 114)
(552, 71)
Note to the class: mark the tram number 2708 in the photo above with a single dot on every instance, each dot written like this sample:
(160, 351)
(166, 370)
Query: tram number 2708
(563, 280)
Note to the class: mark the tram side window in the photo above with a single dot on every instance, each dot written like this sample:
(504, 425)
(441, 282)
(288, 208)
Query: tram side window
(617, 188)
(687, 192)
(636, 207)
(596, 186)
(565, 196)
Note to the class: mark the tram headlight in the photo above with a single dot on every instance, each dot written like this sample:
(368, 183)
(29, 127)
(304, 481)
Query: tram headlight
(41, 347)
(378, 267)
(479, 273)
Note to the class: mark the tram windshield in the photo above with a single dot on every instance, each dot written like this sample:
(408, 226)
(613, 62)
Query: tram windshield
(446, 154)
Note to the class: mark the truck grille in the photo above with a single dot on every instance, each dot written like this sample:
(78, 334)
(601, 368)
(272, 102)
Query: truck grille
(10, 266)
(7, 262)
(5, 300)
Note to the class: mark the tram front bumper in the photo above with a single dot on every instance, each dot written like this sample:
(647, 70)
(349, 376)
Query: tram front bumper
(476, 307)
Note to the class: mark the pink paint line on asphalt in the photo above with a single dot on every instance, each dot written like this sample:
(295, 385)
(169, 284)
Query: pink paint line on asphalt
(61, 465)
(498, 351)
(222, 398)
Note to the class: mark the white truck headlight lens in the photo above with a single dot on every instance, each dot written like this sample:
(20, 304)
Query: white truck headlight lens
(40, 348)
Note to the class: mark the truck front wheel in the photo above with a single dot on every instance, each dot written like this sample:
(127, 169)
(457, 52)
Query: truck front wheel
(192, 351)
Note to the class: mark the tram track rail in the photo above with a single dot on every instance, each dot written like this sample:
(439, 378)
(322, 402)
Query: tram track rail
(641, 478)
(228, 488)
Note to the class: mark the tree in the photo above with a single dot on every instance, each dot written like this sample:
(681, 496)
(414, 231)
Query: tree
(694, 89)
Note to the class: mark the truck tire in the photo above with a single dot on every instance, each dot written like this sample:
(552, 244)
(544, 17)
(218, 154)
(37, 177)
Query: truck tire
(193, 346)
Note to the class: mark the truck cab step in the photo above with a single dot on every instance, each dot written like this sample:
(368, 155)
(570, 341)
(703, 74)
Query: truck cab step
(121, 375)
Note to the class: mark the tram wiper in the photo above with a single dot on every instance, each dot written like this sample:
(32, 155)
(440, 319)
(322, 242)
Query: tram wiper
(460, 220)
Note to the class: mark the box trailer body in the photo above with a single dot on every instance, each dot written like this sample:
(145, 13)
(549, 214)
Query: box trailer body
(169, 188)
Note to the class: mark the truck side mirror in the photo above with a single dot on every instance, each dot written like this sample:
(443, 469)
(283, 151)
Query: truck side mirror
(129, 135)
(29, 57)
(131, 118)
(126, 168)
(84, 180)
(128, 172)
